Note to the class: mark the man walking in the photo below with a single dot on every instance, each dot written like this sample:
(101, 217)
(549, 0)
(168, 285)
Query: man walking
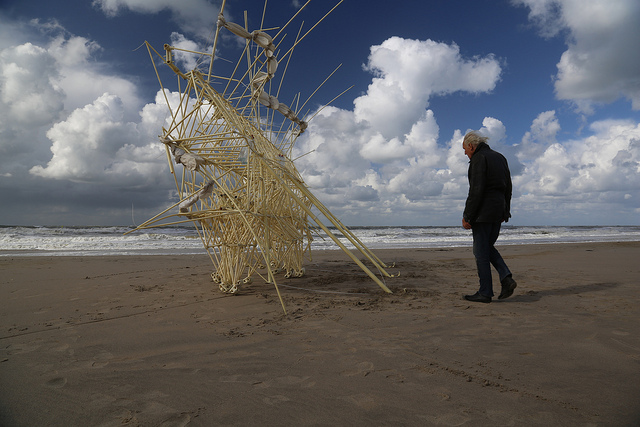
(488, 204)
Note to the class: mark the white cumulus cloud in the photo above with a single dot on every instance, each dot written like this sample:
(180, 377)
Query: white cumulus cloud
(601, 63)
(196, 17)
(183, 56)
(99, 144)
(29, 92)
(84, 146)
(407, 73)
(40, 83)
(542, 134)
(604, 164)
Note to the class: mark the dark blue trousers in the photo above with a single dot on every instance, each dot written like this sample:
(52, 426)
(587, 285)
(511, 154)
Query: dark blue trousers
(485, 235)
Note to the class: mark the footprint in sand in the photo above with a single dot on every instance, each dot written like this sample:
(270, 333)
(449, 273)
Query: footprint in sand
(57, 382)
(22, 348)
(451, 419)
(101, 360)
(362, 368)
(274, 400)
(303, 382)
(100, 400)
(178, 420)
(61, 348)
(364, 401)
(620, 333)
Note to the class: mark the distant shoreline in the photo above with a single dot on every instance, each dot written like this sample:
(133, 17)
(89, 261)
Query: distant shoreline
(96, 241)
(27, 253)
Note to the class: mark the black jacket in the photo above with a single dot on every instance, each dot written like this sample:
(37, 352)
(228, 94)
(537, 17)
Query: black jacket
(489, 198)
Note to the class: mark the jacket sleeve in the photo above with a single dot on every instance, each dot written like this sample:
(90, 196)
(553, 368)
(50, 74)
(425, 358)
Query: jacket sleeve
(507, 194)
(477, 184)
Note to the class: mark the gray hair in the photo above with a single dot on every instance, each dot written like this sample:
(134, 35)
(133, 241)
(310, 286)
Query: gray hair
(474, 138)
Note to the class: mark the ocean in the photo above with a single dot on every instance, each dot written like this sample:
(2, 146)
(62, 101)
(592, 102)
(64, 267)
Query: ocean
(94, 241)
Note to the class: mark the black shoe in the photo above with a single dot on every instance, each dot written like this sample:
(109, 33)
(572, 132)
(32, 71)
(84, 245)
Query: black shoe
(477, 298)
(508, 285)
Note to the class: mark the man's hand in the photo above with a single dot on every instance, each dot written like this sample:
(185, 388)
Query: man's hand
(465, 224)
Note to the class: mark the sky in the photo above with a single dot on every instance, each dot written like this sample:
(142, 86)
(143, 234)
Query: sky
(554, 84)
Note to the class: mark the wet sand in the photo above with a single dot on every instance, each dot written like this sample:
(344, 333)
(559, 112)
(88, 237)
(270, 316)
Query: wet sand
(150, 341)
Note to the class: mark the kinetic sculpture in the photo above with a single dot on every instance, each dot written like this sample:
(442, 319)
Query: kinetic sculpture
(238, 184)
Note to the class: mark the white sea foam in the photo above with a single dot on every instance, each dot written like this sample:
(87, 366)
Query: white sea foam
(87, 241)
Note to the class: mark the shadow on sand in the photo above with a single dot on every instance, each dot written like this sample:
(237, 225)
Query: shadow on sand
(533, 296)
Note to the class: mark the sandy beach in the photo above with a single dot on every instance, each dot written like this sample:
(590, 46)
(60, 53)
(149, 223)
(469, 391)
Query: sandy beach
(150, 341)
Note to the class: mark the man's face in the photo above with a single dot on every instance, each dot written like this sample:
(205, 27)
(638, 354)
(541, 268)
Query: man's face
(468, 150)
